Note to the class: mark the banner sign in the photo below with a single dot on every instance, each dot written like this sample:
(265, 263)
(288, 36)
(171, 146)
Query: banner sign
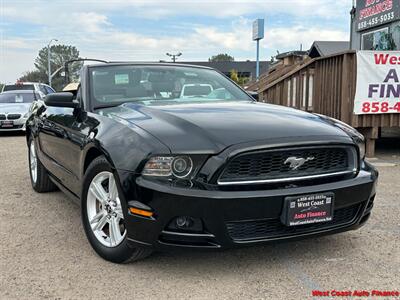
(372, 13)
(378, 82)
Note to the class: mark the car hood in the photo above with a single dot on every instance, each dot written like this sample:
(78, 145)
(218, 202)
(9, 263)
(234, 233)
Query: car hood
(211, 127)
(14, 108)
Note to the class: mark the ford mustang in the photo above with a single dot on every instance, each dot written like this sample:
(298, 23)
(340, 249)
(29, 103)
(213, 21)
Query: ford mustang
(165, 156)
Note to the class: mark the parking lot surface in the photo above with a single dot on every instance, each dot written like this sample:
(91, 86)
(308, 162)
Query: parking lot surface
(45, 254)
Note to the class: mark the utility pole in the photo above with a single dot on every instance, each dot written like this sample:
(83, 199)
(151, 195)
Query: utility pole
(352, 17)
(48, 59)
(173, 56)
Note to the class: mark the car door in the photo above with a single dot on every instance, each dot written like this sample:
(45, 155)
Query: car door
(62, 134)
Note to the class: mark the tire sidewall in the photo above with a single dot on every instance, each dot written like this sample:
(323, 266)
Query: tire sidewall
(117, 254)
(34, 184)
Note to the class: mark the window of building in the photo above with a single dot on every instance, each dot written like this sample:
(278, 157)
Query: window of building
(303, 103)
(294, 92)
(310, 91)
(387, 38)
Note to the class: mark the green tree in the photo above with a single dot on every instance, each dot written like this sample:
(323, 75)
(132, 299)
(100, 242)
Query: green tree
(58, 56)
(221, 57)
(34, 76)
(1, 86)
(234, 75)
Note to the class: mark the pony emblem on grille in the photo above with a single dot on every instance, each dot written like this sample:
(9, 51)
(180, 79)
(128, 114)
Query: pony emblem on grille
(297, 162)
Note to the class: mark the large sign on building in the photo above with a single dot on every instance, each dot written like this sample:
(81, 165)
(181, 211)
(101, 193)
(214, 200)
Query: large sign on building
(372, 13)
(378, 82)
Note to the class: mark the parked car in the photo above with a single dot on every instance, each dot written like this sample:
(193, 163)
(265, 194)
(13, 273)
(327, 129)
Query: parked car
(156, 171)
(40, 88)
(196, 90)
(14, 109)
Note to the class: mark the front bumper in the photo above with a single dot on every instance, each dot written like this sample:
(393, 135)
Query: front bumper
(237, 218)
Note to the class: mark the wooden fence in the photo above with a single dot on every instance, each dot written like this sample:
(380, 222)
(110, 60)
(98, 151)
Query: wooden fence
(326, 85)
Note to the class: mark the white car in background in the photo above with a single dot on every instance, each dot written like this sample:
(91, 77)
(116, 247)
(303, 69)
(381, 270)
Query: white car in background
(40, 88)
(196, 90)
(15, 107)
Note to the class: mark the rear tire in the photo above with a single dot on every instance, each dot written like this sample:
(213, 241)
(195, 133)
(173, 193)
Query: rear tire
(102, 215)
(40, 180)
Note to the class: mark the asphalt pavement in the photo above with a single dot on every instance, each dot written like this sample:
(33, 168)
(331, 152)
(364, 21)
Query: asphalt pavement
(45, 254)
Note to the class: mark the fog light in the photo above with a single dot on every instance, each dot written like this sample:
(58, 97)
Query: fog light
(186, 224)
(183, 222)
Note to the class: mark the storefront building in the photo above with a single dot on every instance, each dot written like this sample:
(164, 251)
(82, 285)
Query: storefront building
(375, 25)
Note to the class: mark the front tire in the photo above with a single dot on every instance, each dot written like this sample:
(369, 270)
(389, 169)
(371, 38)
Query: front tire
(40, 180)
(102, 215)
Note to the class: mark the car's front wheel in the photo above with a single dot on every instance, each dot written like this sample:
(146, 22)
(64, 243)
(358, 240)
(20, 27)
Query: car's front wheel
(102, 215)
(40, 180)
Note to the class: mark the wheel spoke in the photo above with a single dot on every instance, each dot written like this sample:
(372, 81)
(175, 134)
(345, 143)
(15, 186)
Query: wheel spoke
(118, 211)
(100, 224)
(97, 217)
(112, 187)
(97, 190)
(115, 233)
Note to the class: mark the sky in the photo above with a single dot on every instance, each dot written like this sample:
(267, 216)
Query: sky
(144, 30)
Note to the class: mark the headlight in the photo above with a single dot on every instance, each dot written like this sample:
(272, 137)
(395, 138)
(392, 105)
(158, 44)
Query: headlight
(26, 115)
(166, 166)
(182, 166)
(357, 137)
(158, 166)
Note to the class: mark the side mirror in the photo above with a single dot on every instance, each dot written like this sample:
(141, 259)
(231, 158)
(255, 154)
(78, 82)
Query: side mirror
(64, 99)
(253, 94)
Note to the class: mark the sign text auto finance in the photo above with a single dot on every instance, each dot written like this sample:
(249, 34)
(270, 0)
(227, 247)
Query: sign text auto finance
(378, 82)
(372, 13)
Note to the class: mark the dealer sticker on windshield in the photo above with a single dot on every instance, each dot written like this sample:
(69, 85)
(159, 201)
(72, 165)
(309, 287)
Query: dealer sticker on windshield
(308, 209)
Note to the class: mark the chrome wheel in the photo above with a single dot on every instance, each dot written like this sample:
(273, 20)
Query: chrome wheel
(104, 210)
(33, 161)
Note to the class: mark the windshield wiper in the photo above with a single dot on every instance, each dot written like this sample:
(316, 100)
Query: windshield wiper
(108, 105)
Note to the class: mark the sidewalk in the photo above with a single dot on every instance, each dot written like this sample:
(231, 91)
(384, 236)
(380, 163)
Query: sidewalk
(387, 153)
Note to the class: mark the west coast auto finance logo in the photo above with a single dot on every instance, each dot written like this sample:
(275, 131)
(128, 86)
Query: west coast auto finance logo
(378, 82)
(356, 293)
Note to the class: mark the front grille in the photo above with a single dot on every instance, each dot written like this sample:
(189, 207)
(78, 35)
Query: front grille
(13, 116)
(2, 117)
(273, 228)
(273, 165)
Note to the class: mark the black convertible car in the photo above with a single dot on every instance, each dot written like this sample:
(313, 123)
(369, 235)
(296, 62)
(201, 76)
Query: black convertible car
(166, 156)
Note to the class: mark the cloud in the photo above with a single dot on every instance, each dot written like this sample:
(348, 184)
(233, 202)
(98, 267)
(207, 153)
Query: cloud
(90, 21)
(291, 38)
(205, 28)
(159, 9)
(16, 43)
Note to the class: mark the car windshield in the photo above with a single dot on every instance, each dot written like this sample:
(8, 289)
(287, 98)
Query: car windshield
(14, 87)
(18, 97)
(113, 85)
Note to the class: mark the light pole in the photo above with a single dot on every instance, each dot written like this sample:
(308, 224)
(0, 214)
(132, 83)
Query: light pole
(48, 59)
(174, 56)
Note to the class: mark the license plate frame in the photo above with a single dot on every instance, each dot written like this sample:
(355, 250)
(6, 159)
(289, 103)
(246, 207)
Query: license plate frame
(308, 209)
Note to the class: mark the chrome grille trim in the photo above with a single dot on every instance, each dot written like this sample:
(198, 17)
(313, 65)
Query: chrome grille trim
(289, 179)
